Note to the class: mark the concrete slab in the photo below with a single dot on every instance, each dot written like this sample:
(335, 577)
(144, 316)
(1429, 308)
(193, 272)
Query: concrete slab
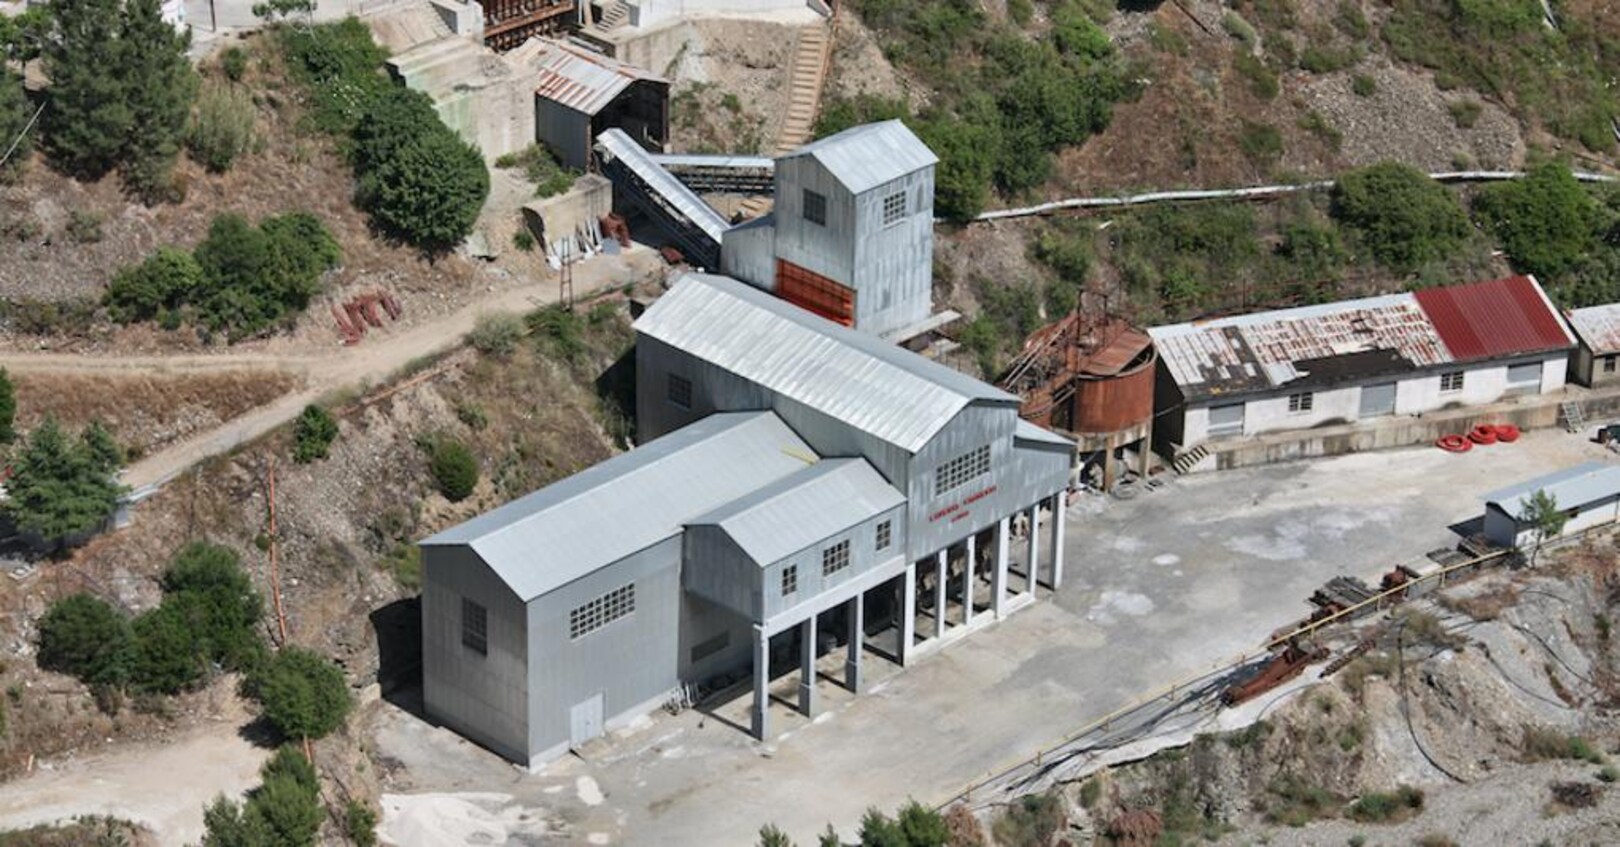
(1159, 587)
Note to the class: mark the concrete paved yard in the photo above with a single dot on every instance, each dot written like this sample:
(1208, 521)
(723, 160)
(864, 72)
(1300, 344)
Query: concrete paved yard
(1156, 588)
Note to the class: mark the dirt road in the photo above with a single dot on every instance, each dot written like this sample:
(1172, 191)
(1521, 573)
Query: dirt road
(373, 361)
(161, 785)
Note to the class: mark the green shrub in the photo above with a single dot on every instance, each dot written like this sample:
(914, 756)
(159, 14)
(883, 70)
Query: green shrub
(455, 470)
(1262, 79)
(221, 129)
(1403, 217)
(360, 824)
(84, 227)
(313, 434)
(558, 331)
(8, 418)
(221, 607)
(254, 277)
(1465, 113)
(1608, 773)
(496, 333)
(234, 62)
(1316, 124)
(1538, 744)
(1321, 59)
(15, 113)
(167, 658)
(301, 693)
(1238, 28)
(167, 279)
(1020, 11)
(541, 167)
(1261, 142)
(1031, 819)
(1380, 807)
(429, 193)
(340, 67)
(83, 636)
(523, 240)
(1363, 85)
(1544, 221)
(1296, 802)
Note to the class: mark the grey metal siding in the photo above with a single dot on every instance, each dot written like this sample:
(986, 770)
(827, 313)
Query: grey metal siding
(484, 697)
(863, 556)
(1014, 482)
(748, 253)
(717, 570)
(630, 661)
(827, 250)
(894, 265)
(565, 131)
(728, 635)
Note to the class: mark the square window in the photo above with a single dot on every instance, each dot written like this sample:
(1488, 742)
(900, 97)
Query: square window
(885, 535)
(790, 579)
(815, 207)
(961, 470)
(894, 208)
(474, 627)
(601, 611)
(1451, 381)
(680, 391)
(1301, 402)
(835, 558)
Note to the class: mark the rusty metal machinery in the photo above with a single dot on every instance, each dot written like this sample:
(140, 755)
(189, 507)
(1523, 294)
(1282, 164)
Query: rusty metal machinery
(1089, 373)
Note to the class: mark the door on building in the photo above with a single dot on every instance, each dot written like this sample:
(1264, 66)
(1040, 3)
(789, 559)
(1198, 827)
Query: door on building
(1378, 400)
(1226, 420)
(585, 720)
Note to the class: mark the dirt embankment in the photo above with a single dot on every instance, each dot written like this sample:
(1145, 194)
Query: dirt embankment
(1489, 718)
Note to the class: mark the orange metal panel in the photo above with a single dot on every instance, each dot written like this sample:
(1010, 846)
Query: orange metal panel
(815, 293)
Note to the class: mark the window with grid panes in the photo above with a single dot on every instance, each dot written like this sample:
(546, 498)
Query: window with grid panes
(885, 535)
(835, 558)
(894, 208)
(815, 207)
(790, 579)
(1451, 381)
(603, 610)
(961, 470)
(1301, 402)
(474, 627)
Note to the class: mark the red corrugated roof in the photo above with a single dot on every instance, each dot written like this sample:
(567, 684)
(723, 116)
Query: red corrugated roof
(1489, 320)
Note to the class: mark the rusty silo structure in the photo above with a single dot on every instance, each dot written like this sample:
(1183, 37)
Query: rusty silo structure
(1090, 376)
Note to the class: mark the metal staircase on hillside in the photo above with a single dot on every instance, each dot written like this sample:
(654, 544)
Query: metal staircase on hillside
(1570, 412)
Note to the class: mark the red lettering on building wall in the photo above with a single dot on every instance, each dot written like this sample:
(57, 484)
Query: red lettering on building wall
(959, 510)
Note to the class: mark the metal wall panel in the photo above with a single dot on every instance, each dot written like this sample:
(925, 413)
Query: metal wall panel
(629, 661)
(863, 557)
(894, 265)
(748, 252)
(717, 570)
(484, 697)
(565, 131)
(828, 249)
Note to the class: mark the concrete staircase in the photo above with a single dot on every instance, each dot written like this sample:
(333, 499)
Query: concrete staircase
(807, 74)
(1190, 459)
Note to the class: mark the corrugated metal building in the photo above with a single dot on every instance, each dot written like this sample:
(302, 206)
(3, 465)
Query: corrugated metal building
(579, 94)
(1357, 360)
(851, 237)
(1597, 359)
(800, 484)
(1588, 494)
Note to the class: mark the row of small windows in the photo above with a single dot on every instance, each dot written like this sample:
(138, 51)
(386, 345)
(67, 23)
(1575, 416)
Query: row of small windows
(835, 558)
(961, 470)
(815, 208)
(1450, 381)
(603, 610)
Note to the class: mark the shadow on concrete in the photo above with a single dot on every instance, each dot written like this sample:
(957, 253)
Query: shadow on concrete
(260, 732)
(1469, 528)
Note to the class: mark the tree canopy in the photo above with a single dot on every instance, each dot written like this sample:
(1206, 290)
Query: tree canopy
(1547, 222)
(1403, 217)
(84, 636)
(301, 693)
(63, 488)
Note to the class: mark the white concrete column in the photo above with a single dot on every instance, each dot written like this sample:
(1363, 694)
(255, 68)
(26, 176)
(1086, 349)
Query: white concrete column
(1034, 565)
(998, 581)
(857, 635)
(1058, 511)
(908, 612)
(967, 579)
(762, 683)
(939, 595)
(807, 667)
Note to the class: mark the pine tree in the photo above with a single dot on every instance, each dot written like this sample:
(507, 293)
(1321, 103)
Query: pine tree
(160, 86)
(88, 121)
(15, 113)
(8, 408)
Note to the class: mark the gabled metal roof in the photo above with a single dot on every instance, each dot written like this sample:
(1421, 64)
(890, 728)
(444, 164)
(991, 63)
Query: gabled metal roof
(798, 511)
(1495, 319)
(867, 156)
(630, 502)
(1040, 436)
(1598, 326)
(868, 384)
(575, 77)
(1571, 487)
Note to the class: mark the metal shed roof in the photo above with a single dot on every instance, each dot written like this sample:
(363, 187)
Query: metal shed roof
(1041, 436)
(1496, 318)
(798, 511)
(1598, 327)
(864, 382)
(867, 156)
(617, 145)
(1571, 487)
(630, 502)
(578, 78)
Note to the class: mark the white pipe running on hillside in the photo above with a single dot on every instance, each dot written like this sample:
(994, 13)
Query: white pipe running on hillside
(1255, 192)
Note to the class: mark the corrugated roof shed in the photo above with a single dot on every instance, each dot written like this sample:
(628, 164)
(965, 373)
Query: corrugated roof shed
(630, 502)
(1267, 350)
(1037, 435)
(575, 77)
(864, 382)
(867, 156)
(798, 511)
(1571, 487)
(1599, 327)
(1493, 319)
